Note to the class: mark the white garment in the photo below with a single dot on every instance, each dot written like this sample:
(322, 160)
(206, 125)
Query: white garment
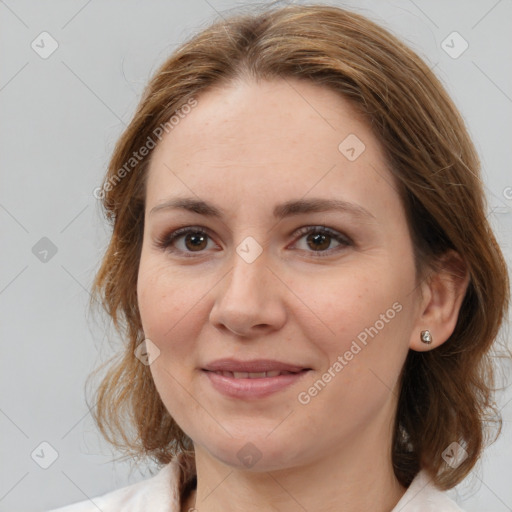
(160, 493)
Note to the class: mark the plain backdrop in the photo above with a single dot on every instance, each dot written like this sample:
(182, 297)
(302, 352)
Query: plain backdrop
(71, 76)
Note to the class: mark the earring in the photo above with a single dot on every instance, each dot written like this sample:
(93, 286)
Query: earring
(426, 337)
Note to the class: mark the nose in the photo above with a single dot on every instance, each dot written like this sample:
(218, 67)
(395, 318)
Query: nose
(249, 300)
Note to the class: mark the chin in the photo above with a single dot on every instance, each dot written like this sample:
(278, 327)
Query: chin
(257, 453)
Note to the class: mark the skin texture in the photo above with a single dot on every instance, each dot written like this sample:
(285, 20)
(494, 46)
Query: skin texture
(247, 147)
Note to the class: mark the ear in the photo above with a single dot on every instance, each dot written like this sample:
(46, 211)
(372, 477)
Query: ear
(442, 293)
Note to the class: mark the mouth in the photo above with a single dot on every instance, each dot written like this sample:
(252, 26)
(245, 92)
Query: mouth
(255, 375)
(252, 379)
(254, 368)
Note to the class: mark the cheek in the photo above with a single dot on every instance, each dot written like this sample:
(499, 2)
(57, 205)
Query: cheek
(352, 304)
(169, 308)
(174, 307)
(362, 360)
(367, 312)
(163, 297)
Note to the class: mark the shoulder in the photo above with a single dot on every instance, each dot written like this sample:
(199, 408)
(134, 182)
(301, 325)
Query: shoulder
(423, 496)
(159, 492)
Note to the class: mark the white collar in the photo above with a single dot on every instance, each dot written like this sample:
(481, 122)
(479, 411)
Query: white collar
(423, 496)
(161, 493)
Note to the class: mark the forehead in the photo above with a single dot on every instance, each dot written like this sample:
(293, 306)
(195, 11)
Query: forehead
(282, 111)
(255, 141)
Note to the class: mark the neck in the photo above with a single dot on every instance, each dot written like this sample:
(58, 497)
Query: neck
(358, 476)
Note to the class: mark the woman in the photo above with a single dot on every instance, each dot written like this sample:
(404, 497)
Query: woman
(303, 272)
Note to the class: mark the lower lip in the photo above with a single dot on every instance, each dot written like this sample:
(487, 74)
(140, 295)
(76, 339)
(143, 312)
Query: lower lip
(252, 388)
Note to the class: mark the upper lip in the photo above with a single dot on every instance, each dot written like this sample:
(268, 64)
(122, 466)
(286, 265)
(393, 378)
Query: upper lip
(254, 365)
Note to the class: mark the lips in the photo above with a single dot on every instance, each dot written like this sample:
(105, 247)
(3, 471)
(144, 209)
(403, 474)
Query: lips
(254, 368)
(254, 379)
(252, 375)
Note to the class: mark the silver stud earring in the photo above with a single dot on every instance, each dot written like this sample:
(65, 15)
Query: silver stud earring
(426, 337)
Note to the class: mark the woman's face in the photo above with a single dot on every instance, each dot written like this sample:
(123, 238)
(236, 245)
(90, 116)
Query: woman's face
(276, 345)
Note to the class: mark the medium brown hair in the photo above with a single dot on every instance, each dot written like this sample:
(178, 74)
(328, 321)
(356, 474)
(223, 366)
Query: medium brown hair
(446, 394)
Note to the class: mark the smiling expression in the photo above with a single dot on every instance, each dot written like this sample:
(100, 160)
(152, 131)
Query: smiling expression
(265, 271)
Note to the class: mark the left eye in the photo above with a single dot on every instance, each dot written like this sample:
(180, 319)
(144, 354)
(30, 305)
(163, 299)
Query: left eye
(318, 239)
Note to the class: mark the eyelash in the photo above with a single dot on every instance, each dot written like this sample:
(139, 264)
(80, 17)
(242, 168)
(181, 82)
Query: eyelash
(165, 242)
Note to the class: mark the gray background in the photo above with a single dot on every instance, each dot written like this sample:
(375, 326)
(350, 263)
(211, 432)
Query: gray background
(60, 119)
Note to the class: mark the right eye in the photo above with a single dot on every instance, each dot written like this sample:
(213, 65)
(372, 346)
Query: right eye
(195, 239)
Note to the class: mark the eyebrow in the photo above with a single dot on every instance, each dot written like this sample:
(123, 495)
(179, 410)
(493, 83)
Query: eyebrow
(287, 209)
